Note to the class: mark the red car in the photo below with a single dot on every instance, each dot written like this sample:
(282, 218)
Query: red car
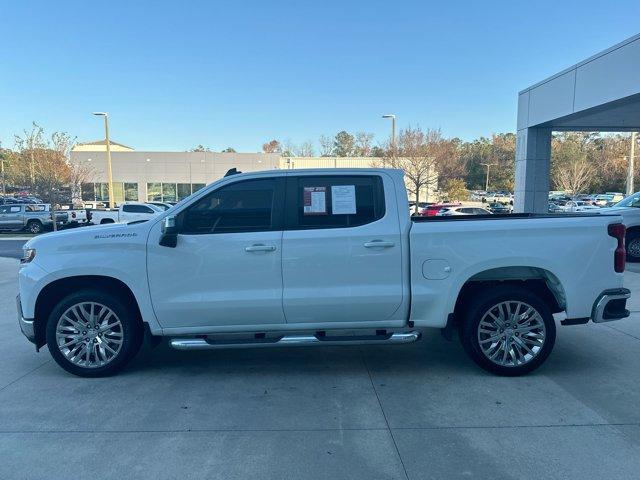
(431, 210)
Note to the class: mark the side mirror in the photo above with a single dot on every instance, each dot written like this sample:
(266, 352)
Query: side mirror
(169, 237)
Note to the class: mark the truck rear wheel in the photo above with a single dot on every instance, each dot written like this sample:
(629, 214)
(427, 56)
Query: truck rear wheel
(508, 330)
(93, 334)
(34, 226)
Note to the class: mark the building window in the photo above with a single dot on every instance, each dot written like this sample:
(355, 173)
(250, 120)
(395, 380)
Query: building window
(184, 190)
(154, 192)
(131, 192)
(169, 192)
(88, 191)
(197, 186)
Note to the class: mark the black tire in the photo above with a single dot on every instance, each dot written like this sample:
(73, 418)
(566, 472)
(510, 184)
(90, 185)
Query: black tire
(131, 332)
(485, 300)
(34, 226)
(106, 220)
(632, 245)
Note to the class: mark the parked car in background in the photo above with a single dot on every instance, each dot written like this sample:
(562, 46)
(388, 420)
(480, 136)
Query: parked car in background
(629, 210)
(608, 197)
(255, 261)
(575, 206)
(32, 217)
(127, 212)
(162, 205)
(451, 211)
(433, 208)
(497, 207)
(554, 208)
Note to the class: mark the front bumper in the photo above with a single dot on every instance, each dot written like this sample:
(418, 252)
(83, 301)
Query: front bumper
(26, 325)
(611, 305)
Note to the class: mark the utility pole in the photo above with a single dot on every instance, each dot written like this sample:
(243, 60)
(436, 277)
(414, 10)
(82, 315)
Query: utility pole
(630, 172)
(486, 185)
(106, 133)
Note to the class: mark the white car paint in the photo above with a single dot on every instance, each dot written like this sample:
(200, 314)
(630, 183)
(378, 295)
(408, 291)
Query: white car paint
(578, 206)
(126, 212)
(462, 210)
(327, 278)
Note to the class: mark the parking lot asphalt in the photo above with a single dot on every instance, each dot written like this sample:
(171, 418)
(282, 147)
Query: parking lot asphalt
(420, 411)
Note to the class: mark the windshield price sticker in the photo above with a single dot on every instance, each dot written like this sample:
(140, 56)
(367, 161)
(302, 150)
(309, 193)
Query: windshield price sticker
(343, 199)
(315, 200)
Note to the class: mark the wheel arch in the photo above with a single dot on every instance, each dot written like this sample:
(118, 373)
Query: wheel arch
(54, 292)
(538, 280)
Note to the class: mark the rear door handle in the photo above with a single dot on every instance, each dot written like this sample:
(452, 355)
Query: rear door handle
(379, 244)
(260, 248)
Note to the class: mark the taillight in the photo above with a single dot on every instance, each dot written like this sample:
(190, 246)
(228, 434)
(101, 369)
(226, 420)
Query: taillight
(617, 231)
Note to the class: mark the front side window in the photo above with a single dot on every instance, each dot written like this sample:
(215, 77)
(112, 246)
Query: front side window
(245, 206)
(334, 201)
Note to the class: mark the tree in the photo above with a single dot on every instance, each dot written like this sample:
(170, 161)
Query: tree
(29, 144)
(363, 144)
(326, 146)
(200, 148)
(499, 151)
(571, 170)
(305, 149)
(455, 190)
(343, 144)
(272, 146)
(414, 153)
(228, 150)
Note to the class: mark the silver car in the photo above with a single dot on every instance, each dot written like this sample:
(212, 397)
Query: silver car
(33, 218)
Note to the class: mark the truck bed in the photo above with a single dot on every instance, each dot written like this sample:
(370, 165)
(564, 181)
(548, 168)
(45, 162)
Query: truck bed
(507, 216)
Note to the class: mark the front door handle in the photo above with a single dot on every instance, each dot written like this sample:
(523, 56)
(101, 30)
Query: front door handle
(260, 248)
(379, 244)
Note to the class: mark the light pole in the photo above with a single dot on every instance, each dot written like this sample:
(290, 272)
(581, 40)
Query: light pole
(486, 185)
(630, 172)
(106, 134)
(393, 129)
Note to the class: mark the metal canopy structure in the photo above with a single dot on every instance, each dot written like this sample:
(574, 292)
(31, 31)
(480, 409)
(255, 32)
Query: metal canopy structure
(601, 93)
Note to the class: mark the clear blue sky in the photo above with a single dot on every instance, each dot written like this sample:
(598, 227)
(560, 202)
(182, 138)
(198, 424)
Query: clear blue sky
(176, 74)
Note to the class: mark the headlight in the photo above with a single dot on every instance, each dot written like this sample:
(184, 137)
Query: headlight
(28, 254)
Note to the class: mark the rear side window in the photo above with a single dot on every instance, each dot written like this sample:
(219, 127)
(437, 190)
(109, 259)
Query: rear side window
(136, 209)
(333, 201)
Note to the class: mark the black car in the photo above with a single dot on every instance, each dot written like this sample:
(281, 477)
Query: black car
(497, 207)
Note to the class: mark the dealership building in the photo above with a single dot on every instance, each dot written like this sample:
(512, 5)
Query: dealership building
(157, 176)
(172, 176)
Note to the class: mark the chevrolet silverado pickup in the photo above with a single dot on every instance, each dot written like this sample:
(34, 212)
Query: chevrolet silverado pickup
(318, 257)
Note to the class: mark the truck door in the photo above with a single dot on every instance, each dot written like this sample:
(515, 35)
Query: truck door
(341, 250)
(226, 268)
(11, 217)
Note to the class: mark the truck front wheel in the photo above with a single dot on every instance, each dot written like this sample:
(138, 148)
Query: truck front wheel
(93, 334)
(508, 330)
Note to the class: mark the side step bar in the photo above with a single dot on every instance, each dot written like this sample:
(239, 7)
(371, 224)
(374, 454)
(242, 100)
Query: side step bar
(295, 341)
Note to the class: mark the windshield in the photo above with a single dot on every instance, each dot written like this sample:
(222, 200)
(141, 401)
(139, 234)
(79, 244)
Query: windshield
(630, 201)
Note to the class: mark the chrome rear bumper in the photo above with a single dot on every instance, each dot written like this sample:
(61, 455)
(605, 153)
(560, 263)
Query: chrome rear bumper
(611, 305)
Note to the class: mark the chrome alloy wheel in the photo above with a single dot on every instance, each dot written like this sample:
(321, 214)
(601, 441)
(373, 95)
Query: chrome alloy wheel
(89, 335)
(511, 333)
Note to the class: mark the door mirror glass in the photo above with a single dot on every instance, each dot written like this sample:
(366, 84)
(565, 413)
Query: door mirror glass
(169, 237)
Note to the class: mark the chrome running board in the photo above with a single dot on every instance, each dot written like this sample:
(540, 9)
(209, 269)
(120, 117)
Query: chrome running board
(295, 341)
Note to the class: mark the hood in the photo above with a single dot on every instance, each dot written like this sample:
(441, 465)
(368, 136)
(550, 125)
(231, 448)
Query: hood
(82, 235)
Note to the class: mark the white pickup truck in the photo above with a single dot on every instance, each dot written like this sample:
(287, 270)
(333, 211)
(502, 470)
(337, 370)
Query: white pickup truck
(126, 212)
(318, 257)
